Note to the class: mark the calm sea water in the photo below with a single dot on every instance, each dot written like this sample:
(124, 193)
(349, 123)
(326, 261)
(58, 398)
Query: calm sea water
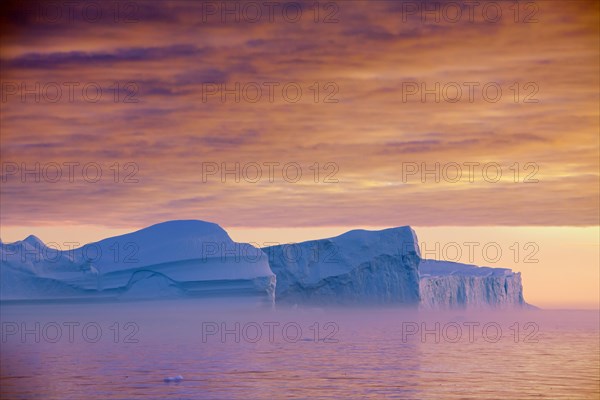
(125, 351)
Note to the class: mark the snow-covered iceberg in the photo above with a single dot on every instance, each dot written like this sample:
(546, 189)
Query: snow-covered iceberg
(449, 285)
(358, 267)
(171, 259)
(198, 259)
(384, 267)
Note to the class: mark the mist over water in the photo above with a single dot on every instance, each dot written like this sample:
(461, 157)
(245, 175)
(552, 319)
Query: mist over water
(126, 350)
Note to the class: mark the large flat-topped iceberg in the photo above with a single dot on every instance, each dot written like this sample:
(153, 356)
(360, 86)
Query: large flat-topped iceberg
(198, 259)
(358, 267)
(448, 285)
(171, 259)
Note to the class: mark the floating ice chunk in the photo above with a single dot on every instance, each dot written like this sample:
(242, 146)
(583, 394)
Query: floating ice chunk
(177, 378)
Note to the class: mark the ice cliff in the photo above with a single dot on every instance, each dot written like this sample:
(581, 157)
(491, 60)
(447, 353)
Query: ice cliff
(384, 267)
(171, 259)
(448, 285)
(358, 267)
(199, 259)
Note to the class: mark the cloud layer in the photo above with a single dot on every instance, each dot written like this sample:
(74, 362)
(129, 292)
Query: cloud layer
(392, 117)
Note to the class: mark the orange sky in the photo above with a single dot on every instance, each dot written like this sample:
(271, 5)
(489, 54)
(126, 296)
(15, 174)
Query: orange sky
(369, 135)
(365, 132)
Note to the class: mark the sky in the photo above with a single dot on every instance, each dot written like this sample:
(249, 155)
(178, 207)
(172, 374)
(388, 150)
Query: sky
(299, 119)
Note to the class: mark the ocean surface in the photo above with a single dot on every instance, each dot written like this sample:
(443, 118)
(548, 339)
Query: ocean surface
(126, 351)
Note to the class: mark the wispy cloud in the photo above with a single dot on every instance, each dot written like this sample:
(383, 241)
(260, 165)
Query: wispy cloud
(180, 88)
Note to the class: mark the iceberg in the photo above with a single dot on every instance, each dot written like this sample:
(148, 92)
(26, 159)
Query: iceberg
(179, 259)
(385, 267)
(359, 267)
(450, 285)
(171, 259)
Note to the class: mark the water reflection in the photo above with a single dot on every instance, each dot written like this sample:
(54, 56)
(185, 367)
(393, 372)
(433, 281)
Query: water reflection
(237, 353)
